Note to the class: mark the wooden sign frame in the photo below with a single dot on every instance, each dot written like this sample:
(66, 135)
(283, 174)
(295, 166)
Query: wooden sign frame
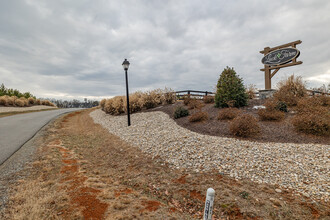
(268, 68)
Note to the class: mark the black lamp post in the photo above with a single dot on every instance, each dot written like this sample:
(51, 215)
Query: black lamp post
(126, 65)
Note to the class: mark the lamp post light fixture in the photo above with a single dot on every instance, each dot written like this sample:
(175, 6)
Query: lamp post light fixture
(126, 65)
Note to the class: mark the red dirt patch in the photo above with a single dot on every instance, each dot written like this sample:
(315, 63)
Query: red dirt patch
(196, 195)
(181, 180)
(150, 206)
(82, 196)
(124, 191)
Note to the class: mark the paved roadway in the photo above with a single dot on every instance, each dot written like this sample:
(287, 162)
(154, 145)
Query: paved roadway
(16, 130)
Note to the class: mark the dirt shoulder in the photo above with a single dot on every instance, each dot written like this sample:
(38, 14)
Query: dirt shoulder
(82, 171)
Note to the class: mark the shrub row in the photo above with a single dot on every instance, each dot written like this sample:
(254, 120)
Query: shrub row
(22, 101)
(138, 101)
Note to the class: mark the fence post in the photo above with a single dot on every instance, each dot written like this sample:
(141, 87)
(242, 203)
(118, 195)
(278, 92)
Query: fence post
(209, 204)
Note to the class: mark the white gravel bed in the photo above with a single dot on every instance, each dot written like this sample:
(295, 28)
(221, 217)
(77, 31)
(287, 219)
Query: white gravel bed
(302, 167)
(23, 109)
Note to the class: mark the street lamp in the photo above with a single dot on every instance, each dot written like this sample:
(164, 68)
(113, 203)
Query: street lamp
(126, 65)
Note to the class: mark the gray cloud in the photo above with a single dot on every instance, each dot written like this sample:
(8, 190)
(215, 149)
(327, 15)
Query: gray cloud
(67, 49)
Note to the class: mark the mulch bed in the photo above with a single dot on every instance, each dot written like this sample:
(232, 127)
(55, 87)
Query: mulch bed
(280, 132)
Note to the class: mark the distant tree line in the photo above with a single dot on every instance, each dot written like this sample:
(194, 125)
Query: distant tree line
(14, 92)
(74, 103)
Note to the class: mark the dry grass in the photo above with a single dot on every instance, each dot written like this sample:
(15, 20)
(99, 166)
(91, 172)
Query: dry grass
(195, 104)
(313, 115)
(251, 90)
(244, 126)
(138, 101)
(271, 113)
(31, 101)
(3, 100)
(208, 99)
(199, 116)
(228, 113)
(291, 90)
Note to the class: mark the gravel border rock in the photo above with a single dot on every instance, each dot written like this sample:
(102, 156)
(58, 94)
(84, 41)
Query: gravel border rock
(302, 167)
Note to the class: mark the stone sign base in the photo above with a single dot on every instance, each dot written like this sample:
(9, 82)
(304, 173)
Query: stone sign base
(265, 94)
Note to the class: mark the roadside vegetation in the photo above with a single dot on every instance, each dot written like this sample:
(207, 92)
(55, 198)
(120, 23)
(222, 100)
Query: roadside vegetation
(14, 98)
(138, 101)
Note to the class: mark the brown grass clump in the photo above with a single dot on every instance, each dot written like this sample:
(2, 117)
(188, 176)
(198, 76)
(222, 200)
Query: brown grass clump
(271, 113)
(136, 102)
(228, 113)
(153, 98)
(19, 103)
(195, 104)
(3, 100)
(199, 116)
(208, 99)
(267, 115)
(251, 90)
(102, 103)
(186, 100)
(169, 96)
(244, 126)
(115, 106)
(11, 100)
(291, 90)
(31, 101)
(313, 116)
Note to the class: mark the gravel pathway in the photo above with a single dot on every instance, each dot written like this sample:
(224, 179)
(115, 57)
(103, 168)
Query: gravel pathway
(23, 109)
(302, 167)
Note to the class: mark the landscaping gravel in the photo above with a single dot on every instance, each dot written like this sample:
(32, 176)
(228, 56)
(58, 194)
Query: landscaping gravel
(302, 167)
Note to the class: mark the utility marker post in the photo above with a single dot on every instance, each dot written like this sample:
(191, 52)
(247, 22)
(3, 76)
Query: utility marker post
(209, 204)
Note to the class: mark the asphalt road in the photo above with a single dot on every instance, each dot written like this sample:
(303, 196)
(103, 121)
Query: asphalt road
(16, 130)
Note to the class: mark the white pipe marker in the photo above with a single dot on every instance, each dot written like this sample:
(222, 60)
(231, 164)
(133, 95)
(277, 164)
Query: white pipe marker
(209, 204)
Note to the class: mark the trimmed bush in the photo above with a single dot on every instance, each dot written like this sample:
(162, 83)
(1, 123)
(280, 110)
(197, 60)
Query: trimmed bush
(313, 116)
(19, 103)
(199, 116)
(244, 126)
(228, 113)
(31, 101)
(11, 100)
(3, 100)
(230, 88)
(270, 115)
(135, 102)
(180, 112)
(153, 98)
(195, 104)
(317, 123)
(272, 112)
(38, 102)
(291, 90)
(208, 99)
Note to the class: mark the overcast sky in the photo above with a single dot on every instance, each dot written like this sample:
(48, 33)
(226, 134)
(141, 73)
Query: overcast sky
(74, 49)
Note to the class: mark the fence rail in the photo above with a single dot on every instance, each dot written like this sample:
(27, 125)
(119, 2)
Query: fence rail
(195, 93)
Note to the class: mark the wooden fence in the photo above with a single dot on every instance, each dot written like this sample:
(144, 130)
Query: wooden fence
(192, 93)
